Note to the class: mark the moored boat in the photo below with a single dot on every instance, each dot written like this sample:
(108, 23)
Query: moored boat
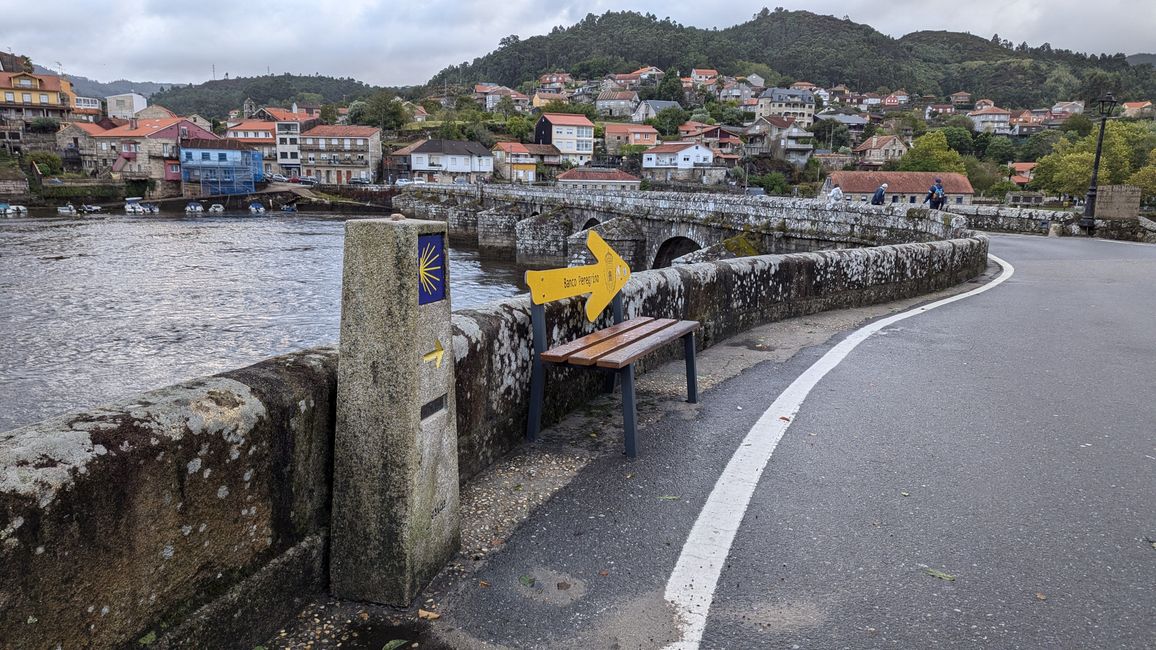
(89, 209)
(68, 209)
(194, 207)
(256, 208)
(289, 208)
(216, 208)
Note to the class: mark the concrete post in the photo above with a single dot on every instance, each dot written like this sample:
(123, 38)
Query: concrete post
(395, 494)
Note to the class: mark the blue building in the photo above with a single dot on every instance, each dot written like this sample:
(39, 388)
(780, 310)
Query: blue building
(215, 167)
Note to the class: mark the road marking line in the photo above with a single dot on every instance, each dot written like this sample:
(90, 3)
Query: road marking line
(694, 579)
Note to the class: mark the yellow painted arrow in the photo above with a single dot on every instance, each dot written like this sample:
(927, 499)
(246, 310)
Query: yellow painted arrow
(436, 356)
(602, 280)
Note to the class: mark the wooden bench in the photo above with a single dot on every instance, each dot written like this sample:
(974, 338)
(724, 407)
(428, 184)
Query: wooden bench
(614, 349)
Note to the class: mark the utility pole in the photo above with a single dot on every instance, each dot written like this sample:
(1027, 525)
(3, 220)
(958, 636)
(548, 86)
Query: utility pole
(214, 72)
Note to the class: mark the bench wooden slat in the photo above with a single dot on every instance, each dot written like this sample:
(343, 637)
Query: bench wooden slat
(627, 355)
(563, 352)
(592, 354)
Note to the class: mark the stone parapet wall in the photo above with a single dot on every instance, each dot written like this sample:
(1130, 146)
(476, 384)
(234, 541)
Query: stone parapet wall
(120, 520)
(196, 506)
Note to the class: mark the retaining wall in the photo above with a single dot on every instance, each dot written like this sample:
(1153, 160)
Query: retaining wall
(197, 514)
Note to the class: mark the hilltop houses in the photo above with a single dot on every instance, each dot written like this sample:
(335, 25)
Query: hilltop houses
(572, 134)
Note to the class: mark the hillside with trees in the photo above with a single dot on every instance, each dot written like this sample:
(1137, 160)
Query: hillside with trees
(821, 49)
(214, 99)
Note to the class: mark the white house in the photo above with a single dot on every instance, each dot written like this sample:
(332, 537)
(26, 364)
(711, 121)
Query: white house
(572, 134)
(125, 106)
(443, 161)
(597, 178)
(679, 161)
(990, 119)
(650, 108)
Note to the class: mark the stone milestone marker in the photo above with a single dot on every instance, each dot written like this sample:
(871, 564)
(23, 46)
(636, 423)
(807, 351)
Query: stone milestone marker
(395, 488)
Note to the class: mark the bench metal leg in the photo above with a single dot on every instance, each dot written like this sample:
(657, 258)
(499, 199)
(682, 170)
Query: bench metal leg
(537, 371)
(609, 382)
(629, 414)
(691, 373)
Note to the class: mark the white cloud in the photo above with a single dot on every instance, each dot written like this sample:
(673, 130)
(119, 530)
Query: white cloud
(394, 42)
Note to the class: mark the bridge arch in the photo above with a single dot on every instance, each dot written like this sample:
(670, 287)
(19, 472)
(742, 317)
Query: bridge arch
(590, 223)
(673, 248)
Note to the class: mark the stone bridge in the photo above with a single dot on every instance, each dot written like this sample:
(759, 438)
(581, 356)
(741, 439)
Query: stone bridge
(545, 226)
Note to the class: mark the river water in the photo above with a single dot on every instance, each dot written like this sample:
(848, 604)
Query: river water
(97, 309)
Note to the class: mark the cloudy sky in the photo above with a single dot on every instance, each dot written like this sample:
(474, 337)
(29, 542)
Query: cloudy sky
(399, 42)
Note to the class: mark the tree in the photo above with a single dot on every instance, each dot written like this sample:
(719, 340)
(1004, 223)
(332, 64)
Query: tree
(506, 106)
(961, 121)
(47, 162)
(831, 134)
(385, 111)
(1145, 179)
(930, 153)
(670, 88)
(519, 127)
(1039, 145)
(983, 174)
(356, 113)
(668, 120)
(44, 125)
(1064, 173)
(329, 113)
(959, 139)
(1078, 123)
(1000, 150)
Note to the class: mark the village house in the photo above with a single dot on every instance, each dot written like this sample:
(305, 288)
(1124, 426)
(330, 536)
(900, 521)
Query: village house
(572, 134)
(336, 154)
(990, 119)
(1022, 172)
(907, 188)
(1064, 109)
(938, 109)
(649, 74)
(554, 81)
(720, 138)
(125, 106)
(961, 98)
(981, 104)
(735, 91)
(79, 150)
(650, 108)
(794, 145)
(259, 135)
(616, 135)
(839, 94)
(616, 103)
(290, 124)
(1137, 109)
(626, 81)
(870, 101)
(854, 122)
(681, 161)
(598, 178)
(213, 167)
(138, 150)
(27, 96)
(703, 76)
(519, 163)
(445, 161)
(756, 80)
(542, 97)
(87, 109)
(879, 149)
(763, 133)
(787, 102)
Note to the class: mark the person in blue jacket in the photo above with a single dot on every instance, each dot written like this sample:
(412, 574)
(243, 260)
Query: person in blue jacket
(877, 197)
(936, 197)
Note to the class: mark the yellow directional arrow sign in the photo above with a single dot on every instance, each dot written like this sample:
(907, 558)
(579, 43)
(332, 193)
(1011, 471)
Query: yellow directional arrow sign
(602, 280)
(436, 356)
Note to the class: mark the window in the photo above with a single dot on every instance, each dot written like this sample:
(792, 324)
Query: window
(284, 155)
(26, 83)
(204, 155)
(174, 169)
(293, 155)
(292, 140)
(222, 156)
(9, 97)
(333, 141)
(189, 156)
(284, 141)
(959, 200)
(360, 142)
(308, 140)
(27, 97)
(43, 98)
(895, 199)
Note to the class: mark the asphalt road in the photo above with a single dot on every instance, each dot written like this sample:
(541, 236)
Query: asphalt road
(979, 475)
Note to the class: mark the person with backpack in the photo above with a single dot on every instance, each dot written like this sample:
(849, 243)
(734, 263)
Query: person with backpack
(936, 197)
(880, 192)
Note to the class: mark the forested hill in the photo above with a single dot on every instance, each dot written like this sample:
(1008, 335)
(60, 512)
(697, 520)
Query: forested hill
(1142, 59)
(214, 99)
(821, 49)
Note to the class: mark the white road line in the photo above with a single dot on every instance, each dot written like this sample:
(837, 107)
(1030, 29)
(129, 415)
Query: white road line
(693, 581)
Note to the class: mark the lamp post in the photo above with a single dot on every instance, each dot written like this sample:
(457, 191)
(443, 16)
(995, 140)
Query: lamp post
(1088, 221)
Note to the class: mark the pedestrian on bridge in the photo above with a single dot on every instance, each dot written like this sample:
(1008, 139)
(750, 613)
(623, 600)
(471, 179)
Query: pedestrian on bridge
(835, 196)
(880, 192)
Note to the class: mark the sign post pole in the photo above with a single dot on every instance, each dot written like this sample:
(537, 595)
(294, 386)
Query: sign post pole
(395, 490)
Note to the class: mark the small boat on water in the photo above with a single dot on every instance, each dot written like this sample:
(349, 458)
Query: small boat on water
(216, 208)
(132, 205)
(89, 209)
(68, 209)
(9, 210)
(289, 208)
(256, 208)
(194, 207)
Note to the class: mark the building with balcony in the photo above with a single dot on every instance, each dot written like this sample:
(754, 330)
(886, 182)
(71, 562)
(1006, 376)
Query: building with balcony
(337, 154)
(289, 125)
(445, 161)
(572, 134)
(219, 167)
(788, 102)
(87, 109)
(677, 161)
(597, 178)
(519, 162)
(259, 135)
(618, 135)
(27, 97)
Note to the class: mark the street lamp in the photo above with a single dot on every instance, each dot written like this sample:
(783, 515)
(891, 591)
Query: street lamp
(1088, 222)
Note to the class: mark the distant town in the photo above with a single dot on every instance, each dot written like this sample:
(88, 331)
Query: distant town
(642, 128)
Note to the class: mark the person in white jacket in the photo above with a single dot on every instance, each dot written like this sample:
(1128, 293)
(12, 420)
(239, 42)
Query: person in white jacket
(835, 196)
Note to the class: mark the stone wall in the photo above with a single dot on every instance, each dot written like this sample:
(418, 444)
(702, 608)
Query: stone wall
(202, 509)
(1117, 202)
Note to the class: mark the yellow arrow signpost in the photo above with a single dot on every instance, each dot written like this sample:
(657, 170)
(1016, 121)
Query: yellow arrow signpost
(602, 280)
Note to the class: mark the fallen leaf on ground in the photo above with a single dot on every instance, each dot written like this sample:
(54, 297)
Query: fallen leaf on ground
(784, 418)
(364, 616)
(667, 497)
(603, 573)
(939, 574)
(904, 494)
(428, 615)
(1040, 596)
(483, 584)
(518, 487)
(526, 580)
(395, 644)
(563, 586)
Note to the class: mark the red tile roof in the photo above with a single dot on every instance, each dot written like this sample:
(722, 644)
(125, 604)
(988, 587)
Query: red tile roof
(671, 147)
(89, 127)
(877, 142)
(1023, 167)
(900, 182)
(567, 119)
(704, 72)
(511, 147)
(1135, 105)
(991, 110)
(621, 127)
(342, 131)
(47, 82)
(144, 128)
(284, 115)
(596, 174)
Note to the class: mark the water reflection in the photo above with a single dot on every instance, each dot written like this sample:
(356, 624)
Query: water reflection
(96, 309)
